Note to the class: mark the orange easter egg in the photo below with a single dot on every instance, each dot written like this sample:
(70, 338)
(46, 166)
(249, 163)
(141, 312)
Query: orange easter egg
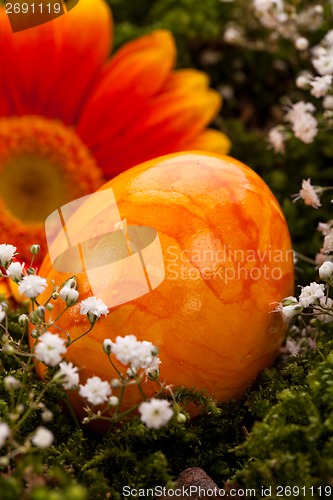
(227, 262)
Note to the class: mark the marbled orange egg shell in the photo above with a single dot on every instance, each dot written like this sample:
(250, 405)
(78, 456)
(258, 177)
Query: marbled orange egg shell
(228, 261)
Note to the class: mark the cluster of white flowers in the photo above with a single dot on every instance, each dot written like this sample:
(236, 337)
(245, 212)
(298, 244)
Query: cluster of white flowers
(270, 12)
(313, 296)
(318, 80)
(303, 123)
(50, 348)
(135, 353)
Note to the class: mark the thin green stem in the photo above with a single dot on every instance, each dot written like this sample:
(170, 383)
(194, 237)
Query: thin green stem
(70, 342)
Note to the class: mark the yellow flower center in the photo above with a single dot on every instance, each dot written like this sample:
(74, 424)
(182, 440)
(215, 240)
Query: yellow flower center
(43, 165)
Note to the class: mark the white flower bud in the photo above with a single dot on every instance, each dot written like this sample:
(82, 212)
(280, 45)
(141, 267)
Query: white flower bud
(11, 383)
(326, 271)
(181, 418)
(107, 346)
(23, 320)
(115, 382)
(301, 43)
(290, 311)
(35, 249)
(69, 295)
(113, 401)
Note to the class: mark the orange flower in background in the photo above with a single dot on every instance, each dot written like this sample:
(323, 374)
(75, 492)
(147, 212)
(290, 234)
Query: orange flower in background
(69, 117)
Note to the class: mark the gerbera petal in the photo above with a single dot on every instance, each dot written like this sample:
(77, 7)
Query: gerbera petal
(4, 288)
(209, 140)
(50, 69)
(138, 71)
(186, 79)
(168, 121)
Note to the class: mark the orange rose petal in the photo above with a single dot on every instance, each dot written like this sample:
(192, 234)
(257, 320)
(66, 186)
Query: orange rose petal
(209, 140)
(169, 120)
(138, 71)
(49, 69)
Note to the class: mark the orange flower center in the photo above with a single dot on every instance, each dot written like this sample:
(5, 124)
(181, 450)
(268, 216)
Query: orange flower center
(43, 165)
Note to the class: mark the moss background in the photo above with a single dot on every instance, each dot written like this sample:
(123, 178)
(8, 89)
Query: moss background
(288, 414)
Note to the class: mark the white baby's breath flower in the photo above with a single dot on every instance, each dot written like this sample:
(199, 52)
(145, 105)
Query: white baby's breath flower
(11, 383)
(15, 271)
(308, 194)
(311, 294)
(304, 125)
(43, 438)
(303, 81)
(305, 128)
(130, 351)
(326, 270)
(94, 308)
(68, 375)
(277, 139)
(328, 243)
(70, 295)
(32, 285)
(7, 253)
(4, 433)
(325, 316)
(49, 349)
(321, 85)
(291, 347)
(155, 413)
(328, 102)
(125, 349)
(323, 60)
(152, 371)
(95, 390)
(47, 416)
(299, 109)
(325, 227)
(269, 12)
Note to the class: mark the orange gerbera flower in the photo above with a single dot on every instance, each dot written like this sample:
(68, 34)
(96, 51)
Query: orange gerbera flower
(68, 116)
